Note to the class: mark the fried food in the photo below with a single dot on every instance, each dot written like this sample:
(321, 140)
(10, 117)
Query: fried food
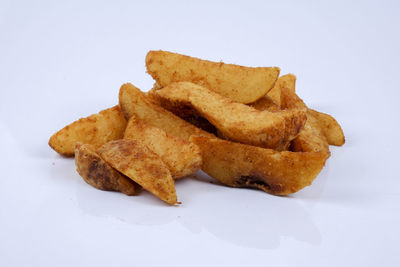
(97, 129)
(135, 102)
(142, 166)
(287, 81)
(330, 127)
(242, 84)
(239, 165)
(99, 174)
(201, 123)
(311, 138)
(181, 156)
(265, 103)
(268, 138)
(236, 121)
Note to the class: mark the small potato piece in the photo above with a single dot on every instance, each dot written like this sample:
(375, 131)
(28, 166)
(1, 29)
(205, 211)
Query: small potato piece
(242, 84)
(99, 174)
(181, 156)
(135, 102)
(330, 127)
(234, 120)
(311, 138)
(239, 165)
(287, 81)
(142, 166)
(97, 129)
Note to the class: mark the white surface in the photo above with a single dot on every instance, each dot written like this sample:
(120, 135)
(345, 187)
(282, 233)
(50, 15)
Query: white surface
(59, 62)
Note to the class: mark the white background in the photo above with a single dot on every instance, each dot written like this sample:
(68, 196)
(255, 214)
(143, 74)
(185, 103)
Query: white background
(61, 61)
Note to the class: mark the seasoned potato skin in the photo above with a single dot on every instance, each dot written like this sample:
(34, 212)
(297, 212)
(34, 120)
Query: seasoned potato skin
(320, 130)
(135, 102)
(234, 120)
(239, 165)
(239, 83)
(266, 103)
(99, 174)
(97, 129)
(311, 138)
(287, 81)
(141, 165)
(181, 156)
(330, 127)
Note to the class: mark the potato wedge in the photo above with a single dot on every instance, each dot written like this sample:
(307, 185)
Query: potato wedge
(239, 165)
(135, 102)
(287, 81)
(181, 156)
(97, 129)
(311, 138)
(99, 174)
(242, 84)
(142, 166)
(236, 121)
(330, 127)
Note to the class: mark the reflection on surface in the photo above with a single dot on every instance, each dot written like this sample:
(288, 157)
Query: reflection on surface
(243, 217)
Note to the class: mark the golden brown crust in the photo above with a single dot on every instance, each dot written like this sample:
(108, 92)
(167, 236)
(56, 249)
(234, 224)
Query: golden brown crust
(236, 121)
(99, 174)
(239, 165)
(311, 138)
(287, 81)
(141, 165)
(135, 102)
(97, 129)
(265, 103)
(330, 127)
(181, 156)
(242, 84)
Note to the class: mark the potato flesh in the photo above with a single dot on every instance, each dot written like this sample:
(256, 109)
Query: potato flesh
(141, 165)
(97, 129)
(242, 84)
(99, 174)
(181, 156)
(236, 121)
(134, 102)
(239, 165)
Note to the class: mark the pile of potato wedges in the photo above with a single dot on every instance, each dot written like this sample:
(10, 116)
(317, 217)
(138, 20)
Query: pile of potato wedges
(243, 126)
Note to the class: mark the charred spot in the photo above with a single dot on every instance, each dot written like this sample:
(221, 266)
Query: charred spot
(99, 176)
(258, 182)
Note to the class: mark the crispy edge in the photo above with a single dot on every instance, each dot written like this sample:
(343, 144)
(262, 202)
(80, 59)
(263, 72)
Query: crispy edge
(287, 81)
(135, 102)
(311, 138)
(181, 156)
(97, 129)
(99, 174)
(247, 125)
(239, 165)
(242, 84)
(330, 127)
(141, 165)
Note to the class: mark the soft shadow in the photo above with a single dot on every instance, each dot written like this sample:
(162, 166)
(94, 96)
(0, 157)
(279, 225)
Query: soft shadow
(243, 217)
